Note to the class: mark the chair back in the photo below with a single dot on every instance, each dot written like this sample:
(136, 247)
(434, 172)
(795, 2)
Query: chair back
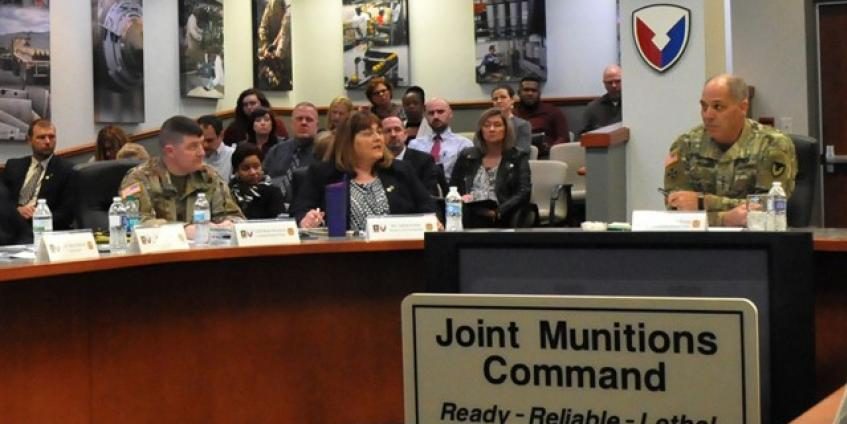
(547, 177)
(533, 153)
(97, 183)
(572, 154)
(801, 201)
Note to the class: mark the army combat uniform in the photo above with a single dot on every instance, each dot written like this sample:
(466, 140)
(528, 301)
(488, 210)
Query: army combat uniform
(160, 200)
(761, 156)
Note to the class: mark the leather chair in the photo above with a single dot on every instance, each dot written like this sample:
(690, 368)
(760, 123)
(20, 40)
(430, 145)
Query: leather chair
(808, 166)
(97, 184)
(550, 191)
(572, 154)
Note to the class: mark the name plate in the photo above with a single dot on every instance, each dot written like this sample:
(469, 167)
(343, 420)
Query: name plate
(400, 227)
(669, 221)
(266, 232)
(166, 238)
(572, 359)
(67, 246)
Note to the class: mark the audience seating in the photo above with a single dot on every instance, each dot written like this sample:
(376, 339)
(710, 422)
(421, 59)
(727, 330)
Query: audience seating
(533, 153)
(808, 166)
(550, 191)
(97, 183)
(572, 154)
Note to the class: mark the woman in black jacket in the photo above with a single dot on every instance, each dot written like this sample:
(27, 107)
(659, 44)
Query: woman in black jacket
(493, 176)
(376, 184)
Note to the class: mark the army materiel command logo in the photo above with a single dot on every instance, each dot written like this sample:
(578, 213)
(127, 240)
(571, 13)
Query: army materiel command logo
(661, 33)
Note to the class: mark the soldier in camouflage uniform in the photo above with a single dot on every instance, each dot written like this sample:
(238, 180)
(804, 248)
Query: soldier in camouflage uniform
(167, 187)
(716, 165)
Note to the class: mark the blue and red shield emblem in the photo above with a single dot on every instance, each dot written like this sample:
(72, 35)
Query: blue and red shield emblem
(661, 34)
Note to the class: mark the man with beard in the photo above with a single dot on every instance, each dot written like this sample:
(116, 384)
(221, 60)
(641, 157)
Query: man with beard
(544, 118)
(605, 110)
(41, 175)
(443, 145)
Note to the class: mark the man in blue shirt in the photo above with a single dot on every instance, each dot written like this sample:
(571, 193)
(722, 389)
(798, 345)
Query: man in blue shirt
(442, 144)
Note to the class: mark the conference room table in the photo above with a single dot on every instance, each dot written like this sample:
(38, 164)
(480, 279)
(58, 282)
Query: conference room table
(306, 333)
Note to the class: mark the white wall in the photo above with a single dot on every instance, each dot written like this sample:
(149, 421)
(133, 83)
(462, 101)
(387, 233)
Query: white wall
(769, 51)
(658, 107)
(581, 41)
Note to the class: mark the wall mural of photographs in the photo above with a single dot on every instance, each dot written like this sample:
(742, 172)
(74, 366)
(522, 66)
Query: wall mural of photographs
(24, 66)
(272, 45)
(376, 42)
(511, 40)
(201, 48)
(118, 38)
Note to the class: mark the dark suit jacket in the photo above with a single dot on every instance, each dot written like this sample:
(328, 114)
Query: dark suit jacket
(8, 217)
(513, 186)
(56, 187)
(425, 168)
(406, 194)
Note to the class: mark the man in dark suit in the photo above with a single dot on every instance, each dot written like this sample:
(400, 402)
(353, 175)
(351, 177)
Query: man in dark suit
(422, 163)
(40, 176)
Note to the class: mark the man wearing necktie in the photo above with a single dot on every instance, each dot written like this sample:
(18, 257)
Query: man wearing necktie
(297, 152)
(40, 176)
(443, 145)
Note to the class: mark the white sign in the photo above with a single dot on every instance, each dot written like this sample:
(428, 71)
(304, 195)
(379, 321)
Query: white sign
(564, 360)
(266, 232)
(400, 227)
(67, 246)
(165, 238)
(669, 221)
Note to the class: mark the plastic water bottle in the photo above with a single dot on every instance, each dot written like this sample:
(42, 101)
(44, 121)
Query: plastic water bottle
(42, 221)
(133, 216)
(777, 208)
(202, 216)
(117, 226)
(453, 212)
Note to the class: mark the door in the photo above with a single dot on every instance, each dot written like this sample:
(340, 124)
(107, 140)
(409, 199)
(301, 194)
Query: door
(832, 61)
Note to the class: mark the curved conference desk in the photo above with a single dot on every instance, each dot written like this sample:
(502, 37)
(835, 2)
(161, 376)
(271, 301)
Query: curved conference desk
(287, 334)
(306, 333)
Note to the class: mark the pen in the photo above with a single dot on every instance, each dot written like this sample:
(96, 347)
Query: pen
(321, 221)
(663, 191)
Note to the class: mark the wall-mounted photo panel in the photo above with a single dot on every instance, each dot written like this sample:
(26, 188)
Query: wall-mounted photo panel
(201, 48)
(118, 35)
(376, 42)
(511, 40)
(272, 45)
(24, 66)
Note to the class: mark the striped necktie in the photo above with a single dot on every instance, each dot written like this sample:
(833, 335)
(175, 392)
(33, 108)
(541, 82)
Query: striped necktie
(28, 189)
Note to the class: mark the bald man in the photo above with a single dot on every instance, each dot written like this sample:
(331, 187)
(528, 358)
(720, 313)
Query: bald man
(443, 145)
(716, 165)
(605, 110)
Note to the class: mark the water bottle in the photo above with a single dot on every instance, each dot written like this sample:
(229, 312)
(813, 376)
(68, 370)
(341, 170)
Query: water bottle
(202, 216)
(453, 212)
(117, 226)
(42, 221)
(777, 208)
(133, 216)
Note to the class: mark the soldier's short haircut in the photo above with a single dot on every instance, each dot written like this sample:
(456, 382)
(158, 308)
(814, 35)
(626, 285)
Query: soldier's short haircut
(176, 128)
(40, 123)
(738, 89)
(211, 121)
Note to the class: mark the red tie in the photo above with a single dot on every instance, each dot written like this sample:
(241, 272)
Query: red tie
(436, 148)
